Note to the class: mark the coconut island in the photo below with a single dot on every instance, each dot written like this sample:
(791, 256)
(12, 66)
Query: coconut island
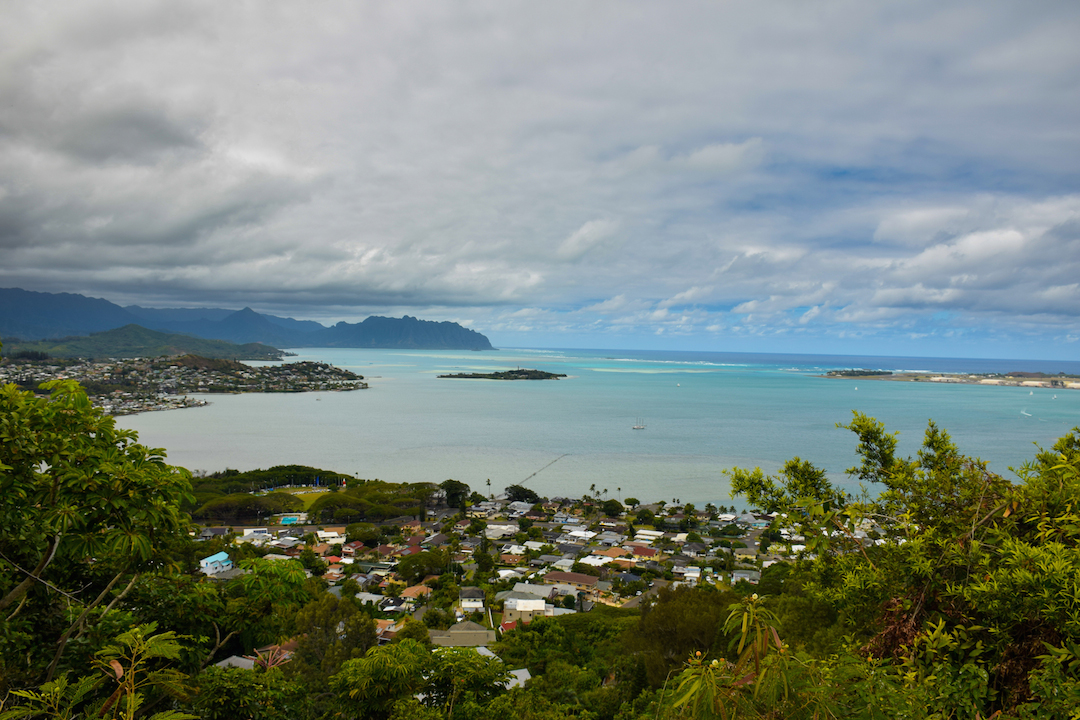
(519, 374)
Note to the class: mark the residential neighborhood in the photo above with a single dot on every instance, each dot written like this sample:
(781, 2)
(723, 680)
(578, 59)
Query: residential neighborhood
(473, 575)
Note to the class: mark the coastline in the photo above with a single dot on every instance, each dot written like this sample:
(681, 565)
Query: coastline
(1022, 380)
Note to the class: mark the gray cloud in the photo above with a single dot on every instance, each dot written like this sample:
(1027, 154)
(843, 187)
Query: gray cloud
(603, 171)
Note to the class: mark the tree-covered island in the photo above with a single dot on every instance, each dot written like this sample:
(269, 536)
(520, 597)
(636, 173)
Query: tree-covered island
(518, 374)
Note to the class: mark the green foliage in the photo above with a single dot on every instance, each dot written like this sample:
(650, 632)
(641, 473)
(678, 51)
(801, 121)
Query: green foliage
(976, 580)
(519, 493)
(612, 508)
(462, 675)
(680, 623)
(72, 486)
(244, 506)
(457, 493)
(230, 693)
(331, 631)
(368, 687)
(796, 480)
(135, 668)
(414, 568)
(371, 501)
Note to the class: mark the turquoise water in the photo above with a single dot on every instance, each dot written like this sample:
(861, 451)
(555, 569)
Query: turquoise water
(704, 413)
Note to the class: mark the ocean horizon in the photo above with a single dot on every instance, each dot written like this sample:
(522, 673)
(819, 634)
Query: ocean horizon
(703, 412)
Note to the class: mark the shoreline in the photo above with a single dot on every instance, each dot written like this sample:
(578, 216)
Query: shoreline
(1021, 380)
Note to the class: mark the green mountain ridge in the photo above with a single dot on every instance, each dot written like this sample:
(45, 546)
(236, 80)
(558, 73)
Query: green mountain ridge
(133, 341)
(40, 316)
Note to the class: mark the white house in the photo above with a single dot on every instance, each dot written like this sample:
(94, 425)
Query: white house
(216, 563)
(524, 607)
(472, 599)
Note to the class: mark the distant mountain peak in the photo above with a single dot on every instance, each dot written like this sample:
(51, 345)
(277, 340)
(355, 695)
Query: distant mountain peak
(33, 315)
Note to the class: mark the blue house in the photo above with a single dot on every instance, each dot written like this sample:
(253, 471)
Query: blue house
(216, 563)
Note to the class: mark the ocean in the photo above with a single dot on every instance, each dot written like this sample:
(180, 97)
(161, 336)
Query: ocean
(703, 413)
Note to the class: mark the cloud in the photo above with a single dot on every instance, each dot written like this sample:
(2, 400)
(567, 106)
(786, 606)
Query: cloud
(833, 172)
(587, 237)
(725, 157)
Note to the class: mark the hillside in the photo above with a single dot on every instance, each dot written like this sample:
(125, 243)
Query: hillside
(134, 341)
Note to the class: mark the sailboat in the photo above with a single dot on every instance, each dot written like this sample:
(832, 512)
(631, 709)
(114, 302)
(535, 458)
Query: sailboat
(639, 425)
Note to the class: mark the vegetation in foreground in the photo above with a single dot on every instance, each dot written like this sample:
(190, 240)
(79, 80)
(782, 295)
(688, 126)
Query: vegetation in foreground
(963, 601)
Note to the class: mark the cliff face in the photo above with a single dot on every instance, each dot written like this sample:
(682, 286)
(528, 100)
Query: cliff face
(34, 316)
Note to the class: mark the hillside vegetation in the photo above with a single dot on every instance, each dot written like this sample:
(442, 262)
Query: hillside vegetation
(948, 592)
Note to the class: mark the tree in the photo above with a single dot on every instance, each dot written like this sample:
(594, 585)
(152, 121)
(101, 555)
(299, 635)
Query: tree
(135, 667)
(645, 516)
(230, 693)
(73, 486)
(369, 686)
(331, 631)
(519, 493)
(458, 675)
(797, 480)
(971, 594)
(679, 623)
(414, 568)
(612, 508)
(457, 493)
(633, 502)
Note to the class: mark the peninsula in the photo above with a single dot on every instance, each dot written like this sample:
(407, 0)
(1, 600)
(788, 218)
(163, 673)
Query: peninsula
(519, 374)
(1011, 379)
(125, 387)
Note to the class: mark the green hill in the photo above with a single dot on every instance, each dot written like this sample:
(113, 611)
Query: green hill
(135, 341)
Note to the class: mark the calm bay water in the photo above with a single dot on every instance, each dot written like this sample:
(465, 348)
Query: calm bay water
(704, 413)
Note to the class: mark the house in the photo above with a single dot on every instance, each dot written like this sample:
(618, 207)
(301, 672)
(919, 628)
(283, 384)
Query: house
(463, 634)
(351, 549)
(472, 599)
(750, 576)
(518, 508)
(385, 630)
(416, 592)
(213, 532)
(579, 581)
(216, 563)
(524, 607)
(542, 591)
(394, 604)
(642, 552)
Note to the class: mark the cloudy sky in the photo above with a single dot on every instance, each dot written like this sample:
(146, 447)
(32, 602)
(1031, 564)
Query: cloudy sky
(850, 177)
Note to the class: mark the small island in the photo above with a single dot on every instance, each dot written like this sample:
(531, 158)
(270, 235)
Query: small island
(519, 374)
(858, 373)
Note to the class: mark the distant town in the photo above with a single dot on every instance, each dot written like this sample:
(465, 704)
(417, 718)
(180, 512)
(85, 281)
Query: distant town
(1013, 379)
(124, 387)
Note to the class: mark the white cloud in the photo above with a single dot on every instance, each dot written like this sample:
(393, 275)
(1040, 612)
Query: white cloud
(845, 168)
(725, 157)
(585, 238)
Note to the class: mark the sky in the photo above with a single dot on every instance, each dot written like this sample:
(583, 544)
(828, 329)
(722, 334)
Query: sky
(893, 178)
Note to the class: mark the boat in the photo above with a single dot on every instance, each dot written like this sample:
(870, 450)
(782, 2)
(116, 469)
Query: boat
(639, 425)
(1025, 412)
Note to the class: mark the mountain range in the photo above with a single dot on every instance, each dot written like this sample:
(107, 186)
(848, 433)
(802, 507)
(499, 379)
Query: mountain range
(31, 315)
